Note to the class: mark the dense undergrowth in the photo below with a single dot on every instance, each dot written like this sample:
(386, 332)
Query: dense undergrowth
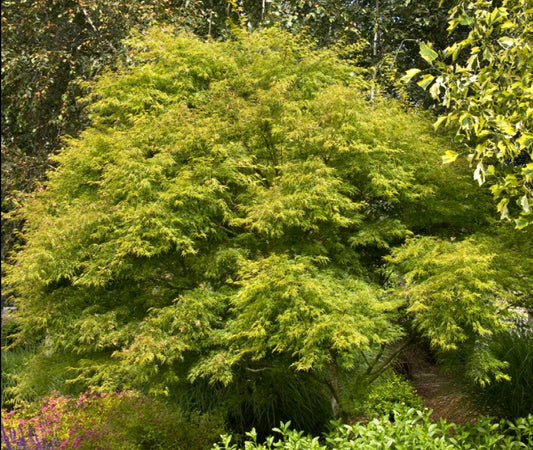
(128, 420)
(390, 416)
(123, 420)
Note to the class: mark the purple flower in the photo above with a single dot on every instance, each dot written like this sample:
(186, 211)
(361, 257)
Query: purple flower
(5, 438)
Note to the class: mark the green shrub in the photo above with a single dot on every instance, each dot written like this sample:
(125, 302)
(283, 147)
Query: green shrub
(411, 429)
(387, 393)
(231, 203)
(14, 360)
(28, 375)
(125, 420)
(12, 364)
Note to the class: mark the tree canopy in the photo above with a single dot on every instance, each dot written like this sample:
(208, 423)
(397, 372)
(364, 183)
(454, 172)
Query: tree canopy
(49, 47)
(229, 210)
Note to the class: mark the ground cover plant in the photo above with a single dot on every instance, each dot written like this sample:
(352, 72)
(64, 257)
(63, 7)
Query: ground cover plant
(247, 211)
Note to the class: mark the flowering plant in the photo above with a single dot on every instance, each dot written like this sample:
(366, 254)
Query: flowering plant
(124, 420)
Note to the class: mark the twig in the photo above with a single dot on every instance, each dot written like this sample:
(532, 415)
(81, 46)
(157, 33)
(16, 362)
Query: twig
(86, 14)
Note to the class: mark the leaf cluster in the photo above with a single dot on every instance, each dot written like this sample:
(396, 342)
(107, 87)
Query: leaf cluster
(484, 82)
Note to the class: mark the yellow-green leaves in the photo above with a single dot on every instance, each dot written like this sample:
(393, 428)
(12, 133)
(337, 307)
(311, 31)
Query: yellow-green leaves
(409, 75)
(229, 207)
(427, 52)
(454, 296)
(299, 308)
(426, 80)
(449, 157)
(305, 195)
(486, 87)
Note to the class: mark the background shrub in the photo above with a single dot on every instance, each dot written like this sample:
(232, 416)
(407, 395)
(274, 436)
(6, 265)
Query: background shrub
(389, 391)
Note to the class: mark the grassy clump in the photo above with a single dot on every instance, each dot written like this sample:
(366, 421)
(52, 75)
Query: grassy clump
(512, 398)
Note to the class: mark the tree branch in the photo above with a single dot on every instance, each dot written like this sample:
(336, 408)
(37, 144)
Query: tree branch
(387, 361)
(261, 369)
(376, 359)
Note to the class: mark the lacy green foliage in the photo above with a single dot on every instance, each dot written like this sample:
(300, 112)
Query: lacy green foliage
(454, 297)
(48, 50)
(512, 256)
(123, 420)
(410, 429)
(14, 361)
(289, 306)
(32, 373)
(484, 81)
(387, 393)
(229, 207)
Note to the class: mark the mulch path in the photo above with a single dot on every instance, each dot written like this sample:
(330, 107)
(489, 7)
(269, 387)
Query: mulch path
(440, 391)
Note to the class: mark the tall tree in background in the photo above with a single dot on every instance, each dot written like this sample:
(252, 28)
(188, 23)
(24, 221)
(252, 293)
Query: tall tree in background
(387, 31)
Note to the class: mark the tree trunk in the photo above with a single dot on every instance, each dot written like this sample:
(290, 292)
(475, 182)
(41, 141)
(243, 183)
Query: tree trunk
(334, 384)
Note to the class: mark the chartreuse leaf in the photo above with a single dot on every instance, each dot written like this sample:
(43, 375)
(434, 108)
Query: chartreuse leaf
(410, 74)
(439, 122)
(521, 223)
(449, 157)
(426, 81)
(524, 202)
(427, 52)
